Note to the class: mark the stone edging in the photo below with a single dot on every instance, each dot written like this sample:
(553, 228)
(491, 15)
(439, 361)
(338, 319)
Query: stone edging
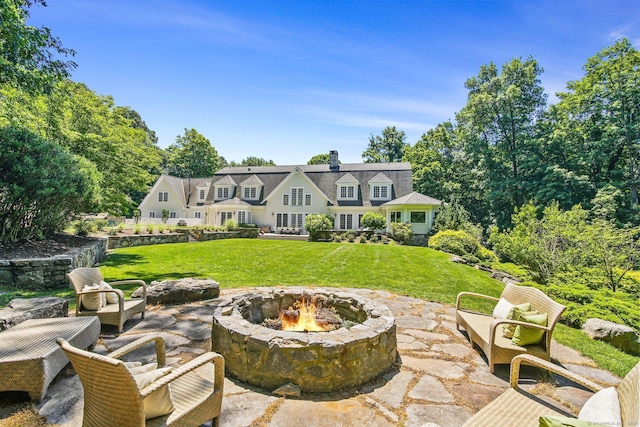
(49, 273)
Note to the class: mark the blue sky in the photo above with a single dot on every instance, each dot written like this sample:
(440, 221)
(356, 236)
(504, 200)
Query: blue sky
(286, 80)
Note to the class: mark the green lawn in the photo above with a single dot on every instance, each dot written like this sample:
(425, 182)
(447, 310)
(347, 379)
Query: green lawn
(415, 271)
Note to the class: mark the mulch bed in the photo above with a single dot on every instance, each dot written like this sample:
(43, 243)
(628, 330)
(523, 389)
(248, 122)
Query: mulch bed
(56, 244)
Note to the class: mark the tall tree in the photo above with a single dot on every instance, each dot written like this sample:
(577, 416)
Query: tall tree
(319, 159)
(192, 156)
(603, 111)
(499, 119)
(388, 147)
(253, 161)
(29, 55)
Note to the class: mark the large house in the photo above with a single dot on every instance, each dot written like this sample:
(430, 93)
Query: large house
(279, 197)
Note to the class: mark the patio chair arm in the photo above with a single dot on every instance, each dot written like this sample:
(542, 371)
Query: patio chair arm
(160, 348)
(132, 282)
(497, 322)
(534, 361)
(218, 382)
(473, 294)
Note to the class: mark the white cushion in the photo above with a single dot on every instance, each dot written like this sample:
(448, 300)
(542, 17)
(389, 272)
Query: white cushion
(159, 402)
(132, 364)
(603, 407)
(501, 310)
(92, 301)
(111, 297)
(135, 370)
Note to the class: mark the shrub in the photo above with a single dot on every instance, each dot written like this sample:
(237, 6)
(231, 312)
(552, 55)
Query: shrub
(401, 232)
(137, 214)
(245, 225)
(161, 228)
(231, 225)
(373, 221)
(350, 236)
(385, 240)
(112, 231)
(150, 228)
(121, 226)
(100, 224)
(42, 186)
(83, 227)
(316, 224)
(136, 229)
(461, 243)
(363, 238)
(165, 216)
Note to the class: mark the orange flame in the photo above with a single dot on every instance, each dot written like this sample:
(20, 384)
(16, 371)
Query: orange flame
(302, 319)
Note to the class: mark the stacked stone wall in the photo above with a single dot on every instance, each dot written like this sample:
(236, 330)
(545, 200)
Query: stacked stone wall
(116, 242)
(49, 273)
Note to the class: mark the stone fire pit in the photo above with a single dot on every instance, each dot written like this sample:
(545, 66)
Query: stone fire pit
(314, 361)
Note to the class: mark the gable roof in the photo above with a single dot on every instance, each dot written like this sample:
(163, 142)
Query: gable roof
(347, 178)
(381, 178)
(295, 171)
(252, 180)
(225, 180)
(413, 198)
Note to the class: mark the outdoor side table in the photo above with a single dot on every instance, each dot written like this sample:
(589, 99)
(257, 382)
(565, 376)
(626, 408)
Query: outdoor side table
(30, 358)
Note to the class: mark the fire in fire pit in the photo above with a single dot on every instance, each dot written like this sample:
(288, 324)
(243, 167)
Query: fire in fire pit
(361, 346)
(306, 317)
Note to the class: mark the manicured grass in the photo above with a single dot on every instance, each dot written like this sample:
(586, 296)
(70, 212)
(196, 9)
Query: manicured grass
(419, 272)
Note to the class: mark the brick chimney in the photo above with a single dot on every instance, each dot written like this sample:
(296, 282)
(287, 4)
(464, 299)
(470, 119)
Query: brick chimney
(333, 160)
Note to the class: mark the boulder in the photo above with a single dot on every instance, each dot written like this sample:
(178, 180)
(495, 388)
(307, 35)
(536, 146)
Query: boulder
(180, 291)
(21, 309)
(619, 336)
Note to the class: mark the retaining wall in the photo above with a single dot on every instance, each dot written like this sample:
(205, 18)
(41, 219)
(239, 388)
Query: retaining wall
(49, 273)
(116, 242)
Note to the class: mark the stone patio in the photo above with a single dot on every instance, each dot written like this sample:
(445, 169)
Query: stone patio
(440, 380)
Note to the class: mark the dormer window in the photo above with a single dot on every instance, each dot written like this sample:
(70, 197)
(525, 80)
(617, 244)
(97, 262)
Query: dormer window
(347, 192)
(250, 193)
(347, 187)
(380, 192)
(380, 186)
(222, 193)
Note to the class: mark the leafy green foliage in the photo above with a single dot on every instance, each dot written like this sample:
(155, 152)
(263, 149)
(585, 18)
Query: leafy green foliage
(461, 243)
(401, 232)
(192, 156)
(253, 161)
(27, 53)
(319, 159)
(83, 227)
(315, 224)
(165, 216)
(373, 221)
(41, 186)
(390, 147)
(231, 225)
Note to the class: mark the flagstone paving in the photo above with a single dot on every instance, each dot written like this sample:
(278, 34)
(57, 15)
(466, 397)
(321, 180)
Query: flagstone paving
(439, 379)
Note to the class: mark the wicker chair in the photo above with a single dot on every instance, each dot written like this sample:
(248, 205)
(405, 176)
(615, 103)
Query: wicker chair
(516, 407)
(483, 329)
(112, 314)
(111, 396)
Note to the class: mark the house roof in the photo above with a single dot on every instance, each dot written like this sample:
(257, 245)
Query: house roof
(325, 179)
(225, 180)
(347, 178)
(252, 180)
(413, 198)
(322, 176)
(381, 179)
